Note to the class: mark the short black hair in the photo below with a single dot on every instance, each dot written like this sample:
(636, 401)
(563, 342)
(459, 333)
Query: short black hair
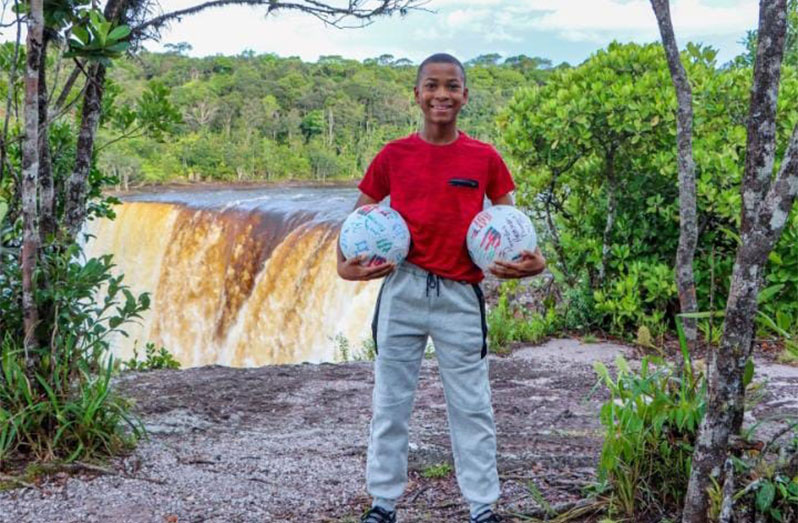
(440, 58)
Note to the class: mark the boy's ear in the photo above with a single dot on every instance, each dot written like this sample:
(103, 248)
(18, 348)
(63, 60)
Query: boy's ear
(415, 93)
(465, 95)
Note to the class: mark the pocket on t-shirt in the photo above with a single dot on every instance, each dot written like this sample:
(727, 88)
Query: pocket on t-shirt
(461, 200)
(468, 183)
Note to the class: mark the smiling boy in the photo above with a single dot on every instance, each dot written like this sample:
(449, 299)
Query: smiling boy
(437, 180)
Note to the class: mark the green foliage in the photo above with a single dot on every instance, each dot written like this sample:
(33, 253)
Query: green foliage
(651, 421)
(639, 296)
(778, 298)
(790, 46)
(579, 307)
(439, 471)
(767, 477)
(607, 128)
(96, 39)
(261, 117)
(508, 323)
(56, 400)
(344, 351)
(154, 359)
(60, 416)
(775, 496)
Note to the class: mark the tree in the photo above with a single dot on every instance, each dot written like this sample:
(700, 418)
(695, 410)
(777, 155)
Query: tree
(688, 228)
(312, 125)
(766, 205)
(484, 59)
(180, 48)
(30, 173)
(585, 138)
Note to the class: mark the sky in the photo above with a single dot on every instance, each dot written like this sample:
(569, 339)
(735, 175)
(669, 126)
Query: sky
(560, 30)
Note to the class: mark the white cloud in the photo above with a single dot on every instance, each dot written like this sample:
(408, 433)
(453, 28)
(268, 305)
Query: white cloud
(598, 19)
(558, 29)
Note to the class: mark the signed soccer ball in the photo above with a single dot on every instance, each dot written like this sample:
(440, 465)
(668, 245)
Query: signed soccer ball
(500, 232)
(376, 231)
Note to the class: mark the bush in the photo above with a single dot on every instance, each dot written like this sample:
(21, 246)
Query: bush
(68, 414)
(651, 421)
(508, 322)
(344, 352)
(154, 359)
(56, 400)
(600, 136)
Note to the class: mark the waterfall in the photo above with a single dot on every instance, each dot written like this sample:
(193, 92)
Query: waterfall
(234, 285)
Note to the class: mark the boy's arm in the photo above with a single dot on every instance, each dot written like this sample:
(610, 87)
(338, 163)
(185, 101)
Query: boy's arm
(531, 263)
(351, 269)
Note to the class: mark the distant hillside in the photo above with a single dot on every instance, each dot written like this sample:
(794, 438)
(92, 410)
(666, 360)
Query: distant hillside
(262, 117)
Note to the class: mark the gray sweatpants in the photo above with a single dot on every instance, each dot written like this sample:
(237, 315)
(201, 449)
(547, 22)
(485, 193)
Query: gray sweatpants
(412, 305)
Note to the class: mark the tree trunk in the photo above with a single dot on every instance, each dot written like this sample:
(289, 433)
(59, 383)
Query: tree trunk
(30, 172)
(612, 203)
(115, 11)
(47, 194)
(77, 184)
(555, 235)
(766, 207)
(330, 128)
(688, 229)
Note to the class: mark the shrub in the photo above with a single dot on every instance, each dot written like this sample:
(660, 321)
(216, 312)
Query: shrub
(154, 359)
(56, 400)
(344, 352)
(651, 421)
(439, 471)
(508, 323)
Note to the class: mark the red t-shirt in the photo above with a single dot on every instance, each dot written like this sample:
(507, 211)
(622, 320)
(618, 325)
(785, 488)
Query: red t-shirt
(438, 189)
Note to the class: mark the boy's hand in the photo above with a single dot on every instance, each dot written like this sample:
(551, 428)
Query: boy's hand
(352, 270)
(530, 264)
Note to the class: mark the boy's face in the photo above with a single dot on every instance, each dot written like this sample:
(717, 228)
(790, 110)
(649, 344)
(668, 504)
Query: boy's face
(441, 92)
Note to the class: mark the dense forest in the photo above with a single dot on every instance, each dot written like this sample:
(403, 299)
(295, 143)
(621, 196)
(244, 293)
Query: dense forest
(263, 117)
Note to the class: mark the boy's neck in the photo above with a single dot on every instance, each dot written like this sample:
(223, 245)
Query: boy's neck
(439, 134)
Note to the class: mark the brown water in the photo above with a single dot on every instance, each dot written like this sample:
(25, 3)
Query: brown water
(239, 277)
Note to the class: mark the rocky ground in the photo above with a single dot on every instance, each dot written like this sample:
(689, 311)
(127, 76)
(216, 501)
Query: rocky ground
(288, 443)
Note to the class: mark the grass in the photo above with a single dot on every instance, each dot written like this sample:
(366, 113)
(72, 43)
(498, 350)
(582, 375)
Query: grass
(154, 359)
(439, 471)
(344, 351)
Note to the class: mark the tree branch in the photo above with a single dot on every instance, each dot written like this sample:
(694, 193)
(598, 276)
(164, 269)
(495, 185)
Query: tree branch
(130, 134)
(761, 143)
(775, 209)
(330, 14)
(70, 82)
(12, 79)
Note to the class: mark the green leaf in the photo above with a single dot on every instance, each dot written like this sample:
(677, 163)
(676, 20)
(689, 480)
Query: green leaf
(119, 32)
(702, 315)
(81, 34)
(765, 497)
(748, 373)
(768, 292)
(118, 48)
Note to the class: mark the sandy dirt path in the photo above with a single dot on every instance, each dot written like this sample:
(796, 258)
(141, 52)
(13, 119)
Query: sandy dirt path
(288, 443)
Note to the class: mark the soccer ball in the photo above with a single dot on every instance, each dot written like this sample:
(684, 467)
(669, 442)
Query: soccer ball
(376, 231)
(500, 232)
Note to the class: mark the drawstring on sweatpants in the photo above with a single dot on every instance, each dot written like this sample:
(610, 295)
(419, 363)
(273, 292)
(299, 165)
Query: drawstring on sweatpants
(433, 282)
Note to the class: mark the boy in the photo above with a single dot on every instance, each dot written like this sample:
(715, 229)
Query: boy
(437, 180)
